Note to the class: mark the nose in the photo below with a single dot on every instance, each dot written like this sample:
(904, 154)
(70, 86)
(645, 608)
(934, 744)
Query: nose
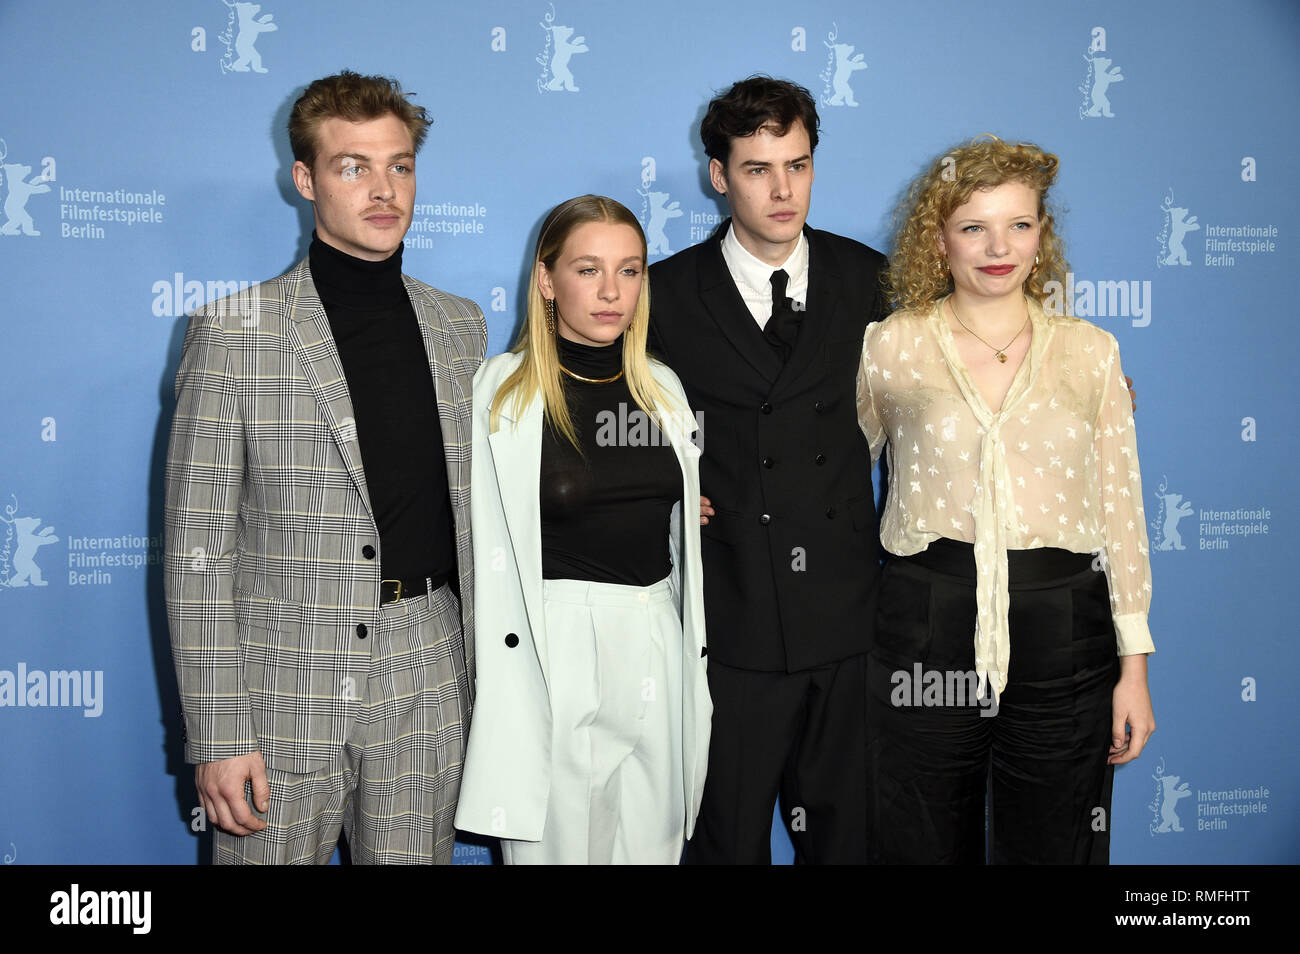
(780, 183)
(608, 290)
(998, 245)
(381, 186)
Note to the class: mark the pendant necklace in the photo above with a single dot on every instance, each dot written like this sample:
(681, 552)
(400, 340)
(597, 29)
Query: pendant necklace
(1000, 353)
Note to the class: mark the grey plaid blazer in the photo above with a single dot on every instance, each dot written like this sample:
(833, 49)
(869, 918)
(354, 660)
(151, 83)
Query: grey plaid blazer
(267, 512)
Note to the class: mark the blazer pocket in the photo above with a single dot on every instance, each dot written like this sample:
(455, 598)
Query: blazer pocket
(722, 526)
(268, 633)
(267, 614)
(270, 654)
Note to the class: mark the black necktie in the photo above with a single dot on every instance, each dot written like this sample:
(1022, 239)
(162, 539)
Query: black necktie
(782, 328)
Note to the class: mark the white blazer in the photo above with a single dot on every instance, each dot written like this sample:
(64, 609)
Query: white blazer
(507, 772)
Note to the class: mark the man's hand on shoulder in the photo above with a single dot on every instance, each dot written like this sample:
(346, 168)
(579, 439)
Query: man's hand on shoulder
(221, 792)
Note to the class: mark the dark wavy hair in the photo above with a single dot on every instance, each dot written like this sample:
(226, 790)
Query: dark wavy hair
(352, 97)
(751, 105)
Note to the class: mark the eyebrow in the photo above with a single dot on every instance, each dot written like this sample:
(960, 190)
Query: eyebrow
(788, 162)
(979, 221)
(597, 258)
(360, 157)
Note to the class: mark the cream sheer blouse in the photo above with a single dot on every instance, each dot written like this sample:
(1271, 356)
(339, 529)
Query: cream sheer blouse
(1057, 466)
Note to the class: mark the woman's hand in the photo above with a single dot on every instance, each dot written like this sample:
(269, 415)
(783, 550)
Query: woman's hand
(706, 510)
(1131, 707)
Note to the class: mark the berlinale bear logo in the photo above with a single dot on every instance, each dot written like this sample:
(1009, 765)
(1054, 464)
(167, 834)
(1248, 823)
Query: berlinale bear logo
(661, 210)
(1172, 510)
(560, 47)
(241, 54)
(841, 64)
(18, 554)
(1101, 75)
(14, 175)
(1170, 790)
(1176, 226)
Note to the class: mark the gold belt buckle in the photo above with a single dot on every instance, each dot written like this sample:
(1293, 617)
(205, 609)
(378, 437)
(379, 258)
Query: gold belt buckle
(399, 589)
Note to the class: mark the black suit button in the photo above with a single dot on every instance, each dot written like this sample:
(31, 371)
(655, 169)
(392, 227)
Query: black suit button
(512, 640)
(767, 462)
(704, 651)
(765, 408)
(361, 630)
(765, 519)
(819, 407)
(368, 552)
(830, 513)
(820, 459)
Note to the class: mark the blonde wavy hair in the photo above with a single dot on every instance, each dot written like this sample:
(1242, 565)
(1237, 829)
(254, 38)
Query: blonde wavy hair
(539, 372)
(918, 274)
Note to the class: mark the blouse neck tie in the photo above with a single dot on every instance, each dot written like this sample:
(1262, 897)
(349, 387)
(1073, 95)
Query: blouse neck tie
(994, 505)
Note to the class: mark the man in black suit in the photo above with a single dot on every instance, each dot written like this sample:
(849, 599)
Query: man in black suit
(763, 322)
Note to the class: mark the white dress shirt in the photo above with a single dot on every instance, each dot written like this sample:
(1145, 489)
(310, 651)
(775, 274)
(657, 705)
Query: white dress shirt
(753, 276)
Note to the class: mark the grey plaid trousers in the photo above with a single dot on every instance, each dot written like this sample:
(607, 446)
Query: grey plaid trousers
(392, 787)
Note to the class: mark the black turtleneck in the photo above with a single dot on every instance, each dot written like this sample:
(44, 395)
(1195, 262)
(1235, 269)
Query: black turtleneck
(396, 409)
(605, 511)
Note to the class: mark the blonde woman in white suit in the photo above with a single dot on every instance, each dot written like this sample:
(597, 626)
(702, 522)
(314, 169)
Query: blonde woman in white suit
(590, 733)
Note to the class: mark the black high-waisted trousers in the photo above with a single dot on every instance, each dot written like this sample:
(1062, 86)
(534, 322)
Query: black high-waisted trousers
(935, 751)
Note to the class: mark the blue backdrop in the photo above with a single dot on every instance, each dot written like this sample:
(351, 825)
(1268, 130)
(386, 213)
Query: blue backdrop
(146, 169)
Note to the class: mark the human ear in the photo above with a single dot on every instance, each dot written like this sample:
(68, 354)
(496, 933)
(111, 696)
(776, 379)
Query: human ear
(544, 284)
(302, 180)
(718, 176)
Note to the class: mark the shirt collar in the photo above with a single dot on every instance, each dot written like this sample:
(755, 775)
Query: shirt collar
(755, 272)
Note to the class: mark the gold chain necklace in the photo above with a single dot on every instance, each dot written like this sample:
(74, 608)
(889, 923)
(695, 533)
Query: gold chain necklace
(578, 377)
(1001, 353)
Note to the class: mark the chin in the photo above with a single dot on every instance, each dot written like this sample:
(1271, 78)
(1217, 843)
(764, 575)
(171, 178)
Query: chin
(605, 334)
(786, 234)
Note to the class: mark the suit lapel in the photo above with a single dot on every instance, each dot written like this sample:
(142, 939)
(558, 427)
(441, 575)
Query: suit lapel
(438, 349)
(517, 460)
(722, 301)
(822, 300)
(309, 331)
(677, 426)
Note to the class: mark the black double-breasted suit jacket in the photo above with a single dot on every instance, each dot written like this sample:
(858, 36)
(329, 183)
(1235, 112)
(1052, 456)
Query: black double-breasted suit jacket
(792, 555)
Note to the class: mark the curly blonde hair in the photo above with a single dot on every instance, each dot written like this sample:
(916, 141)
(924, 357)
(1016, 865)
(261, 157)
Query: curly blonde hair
(918, 274)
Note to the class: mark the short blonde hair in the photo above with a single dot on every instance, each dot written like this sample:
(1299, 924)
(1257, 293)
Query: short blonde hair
(917, 273)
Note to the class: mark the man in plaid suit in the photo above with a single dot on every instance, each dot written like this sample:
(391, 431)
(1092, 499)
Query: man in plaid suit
(318, 564)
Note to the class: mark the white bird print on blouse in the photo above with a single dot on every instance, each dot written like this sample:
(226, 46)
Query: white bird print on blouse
(1076, 466)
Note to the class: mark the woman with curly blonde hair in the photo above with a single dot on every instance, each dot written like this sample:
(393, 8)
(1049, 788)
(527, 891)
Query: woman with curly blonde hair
(1014, 520)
